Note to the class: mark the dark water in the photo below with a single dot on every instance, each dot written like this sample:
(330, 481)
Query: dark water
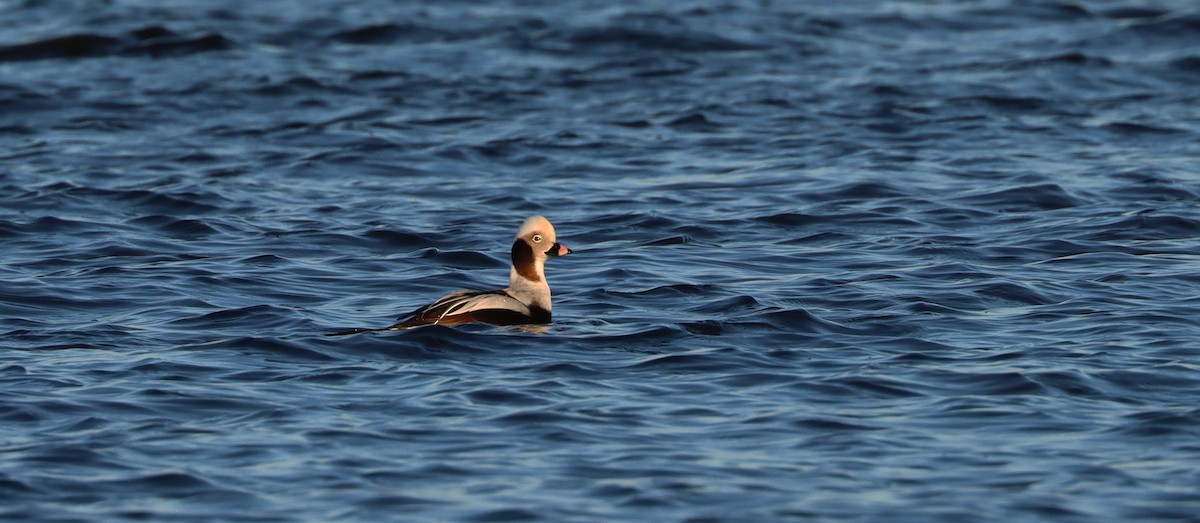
(867, 261)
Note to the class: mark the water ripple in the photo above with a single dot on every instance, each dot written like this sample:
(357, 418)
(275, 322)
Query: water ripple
(842, 262)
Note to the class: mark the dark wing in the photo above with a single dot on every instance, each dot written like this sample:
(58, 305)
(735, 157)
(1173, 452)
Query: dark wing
(460, 307)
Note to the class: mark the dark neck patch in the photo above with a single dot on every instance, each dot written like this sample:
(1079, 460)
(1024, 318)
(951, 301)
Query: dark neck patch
(522, 260)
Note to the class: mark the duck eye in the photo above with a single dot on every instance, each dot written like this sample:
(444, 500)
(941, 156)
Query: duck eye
(537, 238)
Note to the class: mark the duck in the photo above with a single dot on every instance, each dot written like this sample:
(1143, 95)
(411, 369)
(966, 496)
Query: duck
(525, 301)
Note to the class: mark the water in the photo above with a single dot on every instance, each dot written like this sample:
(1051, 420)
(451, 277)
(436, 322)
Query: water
(872, 261)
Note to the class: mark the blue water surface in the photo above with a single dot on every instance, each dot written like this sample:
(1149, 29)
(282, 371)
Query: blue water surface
(834, 261)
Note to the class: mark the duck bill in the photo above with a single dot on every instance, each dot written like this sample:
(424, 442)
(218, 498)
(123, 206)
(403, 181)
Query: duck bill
(558, 249)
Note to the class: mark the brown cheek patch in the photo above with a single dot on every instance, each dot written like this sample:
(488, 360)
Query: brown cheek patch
(522, 259)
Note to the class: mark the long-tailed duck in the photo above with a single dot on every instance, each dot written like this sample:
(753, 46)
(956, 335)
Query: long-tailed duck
(525, 301)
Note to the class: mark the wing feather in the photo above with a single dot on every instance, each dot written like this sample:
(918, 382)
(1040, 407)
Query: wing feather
(462, 307)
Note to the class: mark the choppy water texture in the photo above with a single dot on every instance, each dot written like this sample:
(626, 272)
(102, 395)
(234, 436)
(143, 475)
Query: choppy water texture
(873, 261)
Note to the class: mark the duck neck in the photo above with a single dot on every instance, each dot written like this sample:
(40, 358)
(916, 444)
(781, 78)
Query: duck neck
(527, 277)
(531, 291)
